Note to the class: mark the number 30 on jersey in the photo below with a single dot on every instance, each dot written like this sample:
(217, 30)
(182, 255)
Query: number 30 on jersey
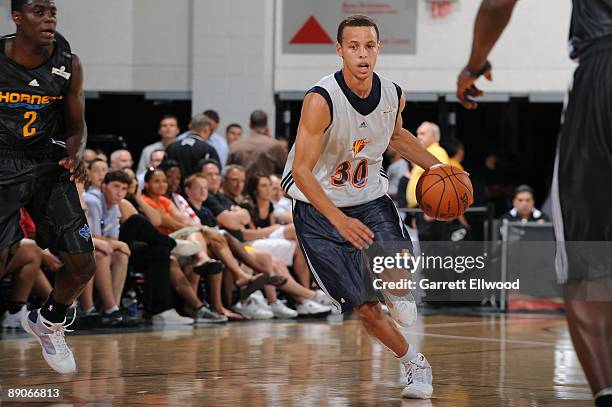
(358, 178)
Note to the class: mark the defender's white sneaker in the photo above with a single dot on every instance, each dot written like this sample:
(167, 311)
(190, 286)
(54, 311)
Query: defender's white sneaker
(418, 377)
(403, 310)
(14, 320)
(51, 337)
(282, 311)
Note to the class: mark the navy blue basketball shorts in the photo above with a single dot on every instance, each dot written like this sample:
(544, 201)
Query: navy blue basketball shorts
(44, 189)
(341, 270)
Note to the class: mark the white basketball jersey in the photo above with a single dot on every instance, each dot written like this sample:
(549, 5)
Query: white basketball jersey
(350, 166)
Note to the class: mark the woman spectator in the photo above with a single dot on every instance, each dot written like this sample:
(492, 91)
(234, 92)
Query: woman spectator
(154, 252)
(259, 189)
(174, 222)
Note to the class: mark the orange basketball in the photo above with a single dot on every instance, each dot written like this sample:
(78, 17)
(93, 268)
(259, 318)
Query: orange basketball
(444, 192)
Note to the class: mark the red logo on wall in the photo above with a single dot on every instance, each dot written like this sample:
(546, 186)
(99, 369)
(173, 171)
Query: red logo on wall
(311, 33)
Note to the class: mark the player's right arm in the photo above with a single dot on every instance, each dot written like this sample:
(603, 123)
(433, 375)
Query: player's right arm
(492, 18)
(315, 118)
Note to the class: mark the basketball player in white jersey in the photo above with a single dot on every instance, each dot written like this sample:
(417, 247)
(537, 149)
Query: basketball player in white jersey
(334, 173)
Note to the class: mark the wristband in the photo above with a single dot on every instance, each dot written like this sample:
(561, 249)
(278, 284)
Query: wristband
(475, 75)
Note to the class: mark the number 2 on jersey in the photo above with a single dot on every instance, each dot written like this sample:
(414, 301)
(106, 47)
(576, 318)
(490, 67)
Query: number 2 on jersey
(28, 130)
(343, 174)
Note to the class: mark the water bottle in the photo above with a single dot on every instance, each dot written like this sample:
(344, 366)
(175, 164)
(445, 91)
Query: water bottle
(131, 303)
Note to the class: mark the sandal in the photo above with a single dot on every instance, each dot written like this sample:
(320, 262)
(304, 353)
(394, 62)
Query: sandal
(255, 283)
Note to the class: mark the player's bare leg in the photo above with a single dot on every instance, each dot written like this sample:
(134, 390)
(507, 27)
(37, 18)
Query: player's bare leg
(381, 327)
(590, 327)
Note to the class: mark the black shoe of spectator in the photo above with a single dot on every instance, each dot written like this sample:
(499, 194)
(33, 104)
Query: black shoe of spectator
(87, 320)
(130, 320)
(112, 320)
(209, 268)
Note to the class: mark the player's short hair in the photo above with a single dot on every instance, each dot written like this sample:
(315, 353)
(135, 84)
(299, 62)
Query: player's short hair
(232, 167)
(117, 176)
(523, 188)
(191, 179)
(17, 5)
(198, 122)
(259, 119)
(357, 20)
(232, 125)
(214, 116)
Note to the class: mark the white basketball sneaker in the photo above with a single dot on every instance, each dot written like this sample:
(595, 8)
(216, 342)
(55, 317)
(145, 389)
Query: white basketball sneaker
(50, 335)
(418, 378)
(403, 310)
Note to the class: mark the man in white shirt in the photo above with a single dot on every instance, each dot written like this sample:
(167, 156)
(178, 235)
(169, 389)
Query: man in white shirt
(168, 130)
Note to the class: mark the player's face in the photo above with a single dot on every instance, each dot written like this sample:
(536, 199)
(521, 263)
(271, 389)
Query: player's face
(168, 129)
(264, 189)
(524, 203)
(359, 50)
(174, 179)
(233, 134)
(233, 184)
(211, 172)
(158, 184)
(37, 21)
(114, 192)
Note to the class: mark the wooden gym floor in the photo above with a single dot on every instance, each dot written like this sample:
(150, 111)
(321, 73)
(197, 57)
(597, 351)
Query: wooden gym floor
(518, 360)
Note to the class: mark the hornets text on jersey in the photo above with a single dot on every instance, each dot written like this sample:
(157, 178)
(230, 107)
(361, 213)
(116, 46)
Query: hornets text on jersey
(31, 100)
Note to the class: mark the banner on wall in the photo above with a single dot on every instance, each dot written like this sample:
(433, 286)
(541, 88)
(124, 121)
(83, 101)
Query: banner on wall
(309, 27)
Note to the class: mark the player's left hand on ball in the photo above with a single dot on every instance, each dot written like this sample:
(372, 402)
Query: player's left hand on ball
(76, 167)
(358, 234)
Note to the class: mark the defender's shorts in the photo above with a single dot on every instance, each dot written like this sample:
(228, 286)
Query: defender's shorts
(582, 184)
(45, 190)
(339, 268)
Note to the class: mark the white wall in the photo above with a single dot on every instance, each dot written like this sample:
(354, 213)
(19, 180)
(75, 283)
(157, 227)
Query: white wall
(233, 58)
(126, 45)
(531, 56)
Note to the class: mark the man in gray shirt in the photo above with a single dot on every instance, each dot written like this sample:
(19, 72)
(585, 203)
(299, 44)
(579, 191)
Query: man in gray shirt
(103, 215)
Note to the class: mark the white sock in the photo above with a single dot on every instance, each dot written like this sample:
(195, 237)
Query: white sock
(111, 310)
(410, 354)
